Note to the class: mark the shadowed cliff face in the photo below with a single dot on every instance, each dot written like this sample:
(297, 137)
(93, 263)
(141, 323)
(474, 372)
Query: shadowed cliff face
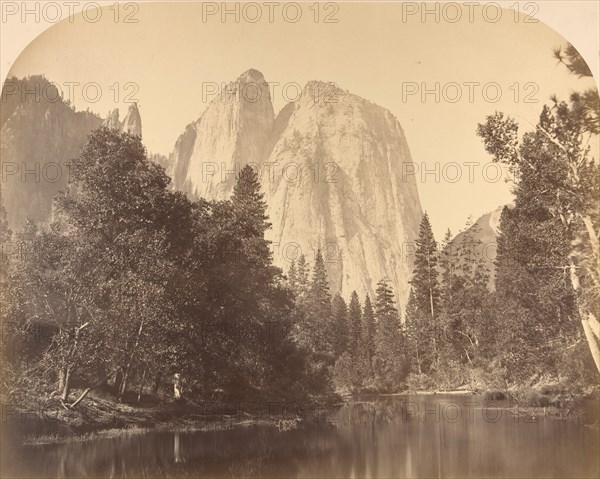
(39, 134)
(331, 168)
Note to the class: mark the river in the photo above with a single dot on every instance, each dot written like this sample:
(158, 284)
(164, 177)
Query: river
(391, 437)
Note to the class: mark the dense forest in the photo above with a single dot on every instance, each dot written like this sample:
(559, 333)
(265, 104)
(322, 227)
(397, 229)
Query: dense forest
(135, 289)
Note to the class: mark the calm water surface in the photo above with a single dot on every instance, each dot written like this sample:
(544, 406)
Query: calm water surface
(408, 436)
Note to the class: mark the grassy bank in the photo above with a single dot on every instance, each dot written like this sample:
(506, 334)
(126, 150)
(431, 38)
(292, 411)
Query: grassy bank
(553, 399)
(102, 416)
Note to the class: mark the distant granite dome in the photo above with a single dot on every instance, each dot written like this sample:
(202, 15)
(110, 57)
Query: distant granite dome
(331, 168)
(488, 226)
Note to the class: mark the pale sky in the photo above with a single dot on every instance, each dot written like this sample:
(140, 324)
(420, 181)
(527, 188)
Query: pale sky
(170, 53)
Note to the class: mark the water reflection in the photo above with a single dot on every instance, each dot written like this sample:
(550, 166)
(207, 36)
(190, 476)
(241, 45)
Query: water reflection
(411, 437)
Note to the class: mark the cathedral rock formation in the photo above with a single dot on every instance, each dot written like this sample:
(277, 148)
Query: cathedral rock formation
(331, 166)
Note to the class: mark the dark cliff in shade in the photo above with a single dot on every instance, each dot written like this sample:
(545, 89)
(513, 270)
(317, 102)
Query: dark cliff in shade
(39, 134)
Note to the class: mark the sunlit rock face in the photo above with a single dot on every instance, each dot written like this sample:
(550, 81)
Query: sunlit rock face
(331, 166)
(233, 131)
(132, 123)
(485, 232)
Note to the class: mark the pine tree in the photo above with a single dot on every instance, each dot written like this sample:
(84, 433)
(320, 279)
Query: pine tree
(302, 274)
(5, 237)
(368, 329)
(586, 103)
(425, 275)
(341, 334)
(384, 300)
(514, 337)
(447, 263)
(534, 298)
(417, 334)
(249, 204)
(248, 245)
(388, 364)
(506, 254)
(319, 286)
(355, 345)
(292, 278)
(426, 290)
(319, 306)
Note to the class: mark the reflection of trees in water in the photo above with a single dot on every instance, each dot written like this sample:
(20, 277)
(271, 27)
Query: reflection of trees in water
(307, 451)
(369, 439)
(372, 412)
(239, 453)
(177, 449)
(360, 426)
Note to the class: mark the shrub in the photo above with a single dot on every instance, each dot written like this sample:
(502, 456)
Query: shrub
(346, 376)
(419, 382)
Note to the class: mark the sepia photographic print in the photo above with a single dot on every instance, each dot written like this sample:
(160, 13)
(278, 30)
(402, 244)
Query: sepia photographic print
(300, 239)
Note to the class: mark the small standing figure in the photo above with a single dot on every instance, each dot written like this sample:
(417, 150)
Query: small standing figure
(177, 386)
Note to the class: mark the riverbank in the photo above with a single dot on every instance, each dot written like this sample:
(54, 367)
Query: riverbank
(102, 416)
(207, 424)
(419, 430)
(552, 401)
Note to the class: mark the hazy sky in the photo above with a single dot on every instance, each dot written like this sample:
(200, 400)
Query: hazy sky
(172, 53)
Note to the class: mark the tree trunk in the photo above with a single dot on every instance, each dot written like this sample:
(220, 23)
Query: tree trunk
(592, 341)
(468, 357)
(118, 380)
(61, 380)
(85, 393)
(594, 326)
(142, 384)
(65, 373)
(590, 324)
(130, 361)
(435, 351)
(591, 327)
(594, 242)
(80, 398)
(156, 384)
(67, 385)
(123, 385)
